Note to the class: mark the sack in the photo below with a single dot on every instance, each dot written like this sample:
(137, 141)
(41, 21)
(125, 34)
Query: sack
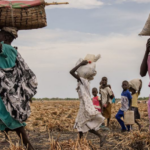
(23, 15)
(129, 117)
(88, 71)
(146, 29)
(135, 84)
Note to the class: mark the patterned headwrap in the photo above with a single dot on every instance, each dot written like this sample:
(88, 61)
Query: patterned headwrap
(12, 30)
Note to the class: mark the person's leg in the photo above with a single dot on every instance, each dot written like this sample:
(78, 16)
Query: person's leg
(6, 134)
(108, 120)
(22, 134)
(95, 132)
(138, 124)
(102, 140)
(129, 127)
(80, 135)
(118, 117)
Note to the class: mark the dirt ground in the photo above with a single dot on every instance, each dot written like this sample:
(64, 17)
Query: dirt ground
(53, 121)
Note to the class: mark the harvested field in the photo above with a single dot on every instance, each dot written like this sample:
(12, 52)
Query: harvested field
(50, 127)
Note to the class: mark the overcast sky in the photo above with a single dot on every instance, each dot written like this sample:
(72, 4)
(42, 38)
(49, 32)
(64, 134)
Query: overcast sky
(106, 27)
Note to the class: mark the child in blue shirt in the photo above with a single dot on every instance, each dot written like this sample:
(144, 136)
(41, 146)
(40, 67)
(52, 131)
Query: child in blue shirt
(125, 105)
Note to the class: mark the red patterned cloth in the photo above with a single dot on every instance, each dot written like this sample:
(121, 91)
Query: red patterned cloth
(21, 4)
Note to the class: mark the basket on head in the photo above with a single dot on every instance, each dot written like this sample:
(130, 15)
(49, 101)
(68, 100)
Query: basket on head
(135, 84)
(23, 14)
(146, 29)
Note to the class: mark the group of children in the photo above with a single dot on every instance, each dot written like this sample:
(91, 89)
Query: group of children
(91, 114)
(129, 101)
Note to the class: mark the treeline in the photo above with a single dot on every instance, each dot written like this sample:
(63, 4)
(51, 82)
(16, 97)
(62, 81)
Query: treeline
(143, 98)
(55, 98)
(140, 98)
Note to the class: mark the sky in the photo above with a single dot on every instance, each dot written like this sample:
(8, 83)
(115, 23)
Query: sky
(106, 27)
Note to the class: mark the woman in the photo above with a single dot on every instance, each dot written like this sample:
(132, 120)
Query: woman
(88, 118)
(145, 67)
(17, 87)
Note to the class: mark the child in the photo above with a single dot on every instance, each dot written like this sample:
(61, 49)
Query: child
(96, 99)
(106, 98)
(88, 118)
(125, 105)
(135, 89)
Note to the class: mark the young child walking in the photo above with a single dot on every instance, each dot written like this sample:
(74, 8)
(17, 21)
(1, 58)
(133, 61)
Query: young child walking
(106, 99)
(135, 88)
(125, 105)
(88, 118)
(96, 100)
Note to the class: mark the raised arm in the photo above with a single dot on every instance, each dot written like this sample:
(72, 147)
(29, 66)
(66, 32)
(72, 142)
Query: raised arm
(144, 67)
(73, 71)
(140, 87)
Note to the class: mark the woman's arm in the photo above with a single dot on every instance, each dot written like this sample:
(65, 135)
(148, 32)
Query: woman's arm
(140, 87)
(73, 71)
(144, 67)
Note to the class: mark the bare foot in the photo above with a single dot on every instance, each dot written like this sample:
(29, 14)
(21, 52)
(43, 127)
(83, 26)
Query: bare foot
(102, 140)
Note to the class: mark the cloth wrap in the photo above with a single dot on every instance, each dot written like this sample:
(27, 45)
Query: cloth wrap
(11, 30)
(17, 87)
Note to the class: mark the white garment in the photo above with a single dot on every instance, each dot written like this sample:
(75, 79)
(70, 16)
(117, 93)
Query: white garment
(105, 94)
(88, 117)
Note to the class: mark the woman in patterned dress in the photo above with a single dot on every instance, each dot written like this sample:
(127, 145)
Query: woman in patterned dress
(8, 96)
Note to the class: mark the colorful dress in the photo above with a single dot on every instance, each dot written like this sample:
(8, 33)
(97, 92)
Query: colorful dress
(7, 60)
(96, 103)
(88, 117)
(148, 63)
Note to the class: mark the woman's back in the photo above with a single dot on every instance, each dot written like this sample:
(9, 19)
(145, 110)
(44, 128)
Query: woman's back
(7, 56)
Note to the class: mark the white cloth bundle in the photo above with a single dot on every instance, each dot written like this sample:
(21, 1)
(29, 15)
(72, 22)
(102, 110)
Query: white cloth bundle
(88, 71)
(135, 84)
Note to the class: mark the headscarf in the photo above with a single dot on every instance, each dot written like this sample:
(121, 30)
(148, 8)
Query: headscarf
(12, 30)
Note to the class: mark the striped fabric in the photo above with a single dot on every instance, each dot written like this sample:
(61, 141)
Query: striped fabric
(21, 4)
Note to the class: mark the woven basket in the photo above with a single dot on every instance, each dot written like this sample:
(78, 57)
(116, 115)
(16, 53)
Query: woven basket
(24, 18)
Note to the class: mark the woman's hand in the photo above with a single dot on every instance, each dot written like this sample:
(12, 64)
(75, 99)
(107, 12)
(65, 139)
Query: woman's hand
(72, 72)
(84, 62)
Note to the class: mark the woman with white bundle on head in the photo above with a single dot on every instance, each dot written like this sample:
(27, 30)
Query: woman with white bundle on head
(135, 86)
(88, 118)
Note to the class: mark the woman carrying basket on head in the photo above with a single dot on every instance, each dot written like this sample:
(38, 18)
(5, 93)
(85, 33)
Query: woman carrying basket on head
(17, 87)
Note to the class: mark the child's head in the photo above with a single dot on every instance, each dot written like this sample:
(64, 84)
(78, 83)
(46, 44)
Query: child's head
(125, 85)
(94, 92)
(104, 81)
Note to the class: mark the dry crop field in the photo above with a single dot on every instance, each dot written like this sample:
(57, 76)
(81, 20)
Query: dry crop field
(50, 127)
